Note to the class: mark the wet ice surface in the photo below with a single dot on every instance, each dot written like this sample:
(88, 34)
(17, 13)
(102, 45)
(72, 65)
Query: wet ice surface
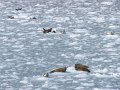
(26, 53)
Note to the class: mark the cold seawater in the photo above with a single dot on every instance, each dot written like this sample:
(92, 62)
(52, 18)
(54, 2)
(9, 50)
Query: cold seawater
(26, 53)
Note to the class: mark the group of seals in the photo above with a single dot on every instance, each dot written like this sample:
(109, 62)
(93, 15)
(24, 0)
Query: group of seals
(12, 17)
(78, 67)
(18, 9)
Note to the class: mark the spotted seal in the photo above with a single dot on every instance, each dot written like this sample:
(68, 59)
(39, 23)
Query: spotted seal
(58, 70)
(80, 67)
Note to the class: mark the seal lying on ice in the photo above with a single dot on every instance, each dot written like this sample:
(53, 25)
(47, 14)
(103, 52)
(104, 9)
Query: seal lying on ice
(55, 70)
(58, 70)
(110, 33)
(80, 67)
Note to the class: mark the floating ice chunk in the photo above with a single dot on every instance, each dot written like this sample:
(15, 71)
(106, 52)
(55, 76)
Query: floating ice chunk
(93, 36)
(102, 70)
(10, 60)
(37, 5)
(30, 63)
(79, 56)
(113, 27)
(111, 36)
(104, 89)
(91, 12)
(61, 19)
(2, 66)
(81, 74)
(102, 75)
(80, 88)
(40, 78)
(117, 41)
(98, 19)
(18, 46)
(54, 87)
(88, 84)
(110, 49)
(107, 61)
(74, 35)
(113, 19)
(108, 45)
(73, 43)
(6, 54)
(46, 84)
(24, 81)
(34, 43)
(79, 31)
(2, 5)
(42, 39)
(22, 15)
(116, 75)
(64, 55)
(118, 69)
(107, 3)
(98, 59)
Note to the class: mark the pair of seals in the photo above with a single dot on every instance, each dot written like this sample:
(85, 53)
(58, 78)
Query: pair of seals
(78, 67)
(48, 30)
(11, 17)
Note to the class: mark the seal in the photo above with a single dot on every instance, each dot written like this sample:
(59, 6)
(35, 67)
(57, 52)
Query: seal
(80, 67)
(58, 70)
(17, 9)
(34, 18)
(110, 33)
